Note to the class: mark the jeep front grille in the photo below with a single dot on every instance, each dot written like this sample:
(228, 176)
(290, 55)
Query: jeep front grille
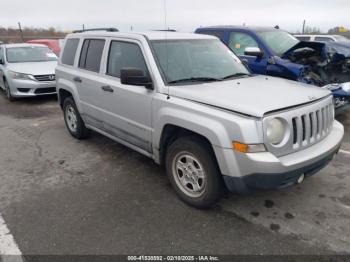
(312, 126)
(307, 125)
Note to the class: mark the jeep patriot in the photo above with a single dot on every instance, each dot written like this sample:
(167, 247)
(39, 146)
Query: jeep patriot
(188, 102)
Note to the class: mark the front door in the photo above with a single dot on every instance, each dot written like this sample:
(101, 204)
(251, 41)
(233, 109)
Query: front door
(126, 108)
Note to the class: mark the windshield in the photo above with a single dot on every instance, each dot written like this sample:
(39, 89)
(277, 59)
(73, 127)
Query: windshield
(196, 60)
(279, 41)
(29, 54)
(341, 38)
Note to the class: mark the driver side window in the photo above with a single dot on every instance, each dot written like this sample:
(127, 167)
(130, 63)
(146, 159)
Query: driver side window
(122, 55)
(240, 41)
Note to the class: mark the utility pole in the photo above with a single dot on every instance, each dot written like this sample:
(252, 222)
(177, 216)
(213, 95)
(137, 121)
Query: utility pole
(304, 27)
(83, 27)
(20, 31)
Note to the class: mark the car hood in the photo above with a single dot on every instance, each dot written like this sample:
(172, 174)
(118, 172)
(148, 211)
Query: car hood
(327, 50)
(34, 68)
(254, 96)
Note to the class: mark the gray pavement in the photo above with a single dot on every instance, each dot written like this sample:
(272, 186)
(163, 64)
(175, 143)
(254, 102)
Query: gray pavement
(63, 196)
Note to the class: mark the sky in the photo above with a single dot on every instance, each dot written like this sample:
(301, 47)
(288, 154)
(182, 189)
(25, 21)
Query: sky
(182, 15)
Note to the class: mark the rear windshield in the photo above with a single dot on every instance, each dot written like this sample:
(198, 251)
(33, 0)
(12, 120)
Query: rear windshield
(29, 54)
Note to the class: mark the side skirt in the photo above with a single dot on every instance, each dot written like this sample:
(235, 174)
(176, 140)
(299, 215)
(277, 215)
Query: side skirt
(120, 141)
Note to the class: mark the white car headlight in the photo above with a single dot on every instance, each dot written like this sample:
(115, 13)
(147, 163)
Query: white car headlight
(346, 87)
(16, 75)
(275, 131)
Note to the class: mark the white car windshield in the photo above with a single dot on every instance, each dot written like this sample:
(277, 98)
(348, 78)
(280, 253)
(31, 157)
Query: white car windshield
(196, 60)
(25, 54)
(279, 41)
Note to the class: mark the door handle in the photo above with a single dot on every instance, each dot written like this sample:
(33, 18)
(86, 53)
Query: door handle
(77, 79)
(107, 89)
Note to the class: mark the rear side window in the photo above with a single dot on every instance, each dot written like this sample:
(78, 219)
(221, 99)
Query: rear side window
(121, 55)
(69, 51)
(91, 54)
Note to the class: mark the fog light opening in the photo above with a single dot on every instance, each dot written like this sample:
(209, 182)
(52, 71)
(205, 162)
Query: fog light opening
(301, 179)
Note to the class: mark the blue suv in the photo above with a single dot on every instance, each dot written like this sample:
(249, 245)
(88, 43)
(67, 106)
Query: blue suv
(274, 52)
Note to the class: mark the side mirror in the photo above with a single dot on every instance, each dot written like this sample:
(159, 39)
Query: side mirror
(135, 77)
(253, 51)
(2, 61)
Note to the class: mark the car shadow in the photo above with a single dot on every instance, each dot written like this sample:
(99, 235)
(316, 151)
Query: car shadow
(30, 107)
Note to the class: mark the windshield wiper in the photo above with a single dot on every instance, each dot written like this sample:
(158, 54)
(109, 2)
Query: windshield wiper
(195, 79)
(235, 75)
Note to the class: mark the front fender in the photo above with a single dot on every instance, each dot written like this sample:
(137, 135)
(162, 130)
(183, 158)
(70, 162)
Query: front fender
(284, 68)
(213, 130)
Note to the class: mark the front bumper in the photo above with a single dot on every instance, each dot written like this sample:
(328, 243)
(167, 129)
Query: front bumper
(29, 88)
(248, 172)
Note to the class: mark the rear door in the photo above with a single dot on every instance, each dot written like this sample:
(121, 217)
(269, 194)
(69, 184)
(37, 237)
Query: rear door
(238, 42)
(88, 79)
(126, 108)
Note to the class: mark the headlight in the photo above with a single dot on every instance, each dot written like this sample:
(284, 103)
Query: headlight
(276, 131)
(346, 87)
(16, 75)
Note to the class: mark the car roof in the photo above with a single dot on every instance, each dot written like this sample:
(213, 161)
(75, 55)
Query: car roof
(151, 35)
(253, 28)
(22, 45)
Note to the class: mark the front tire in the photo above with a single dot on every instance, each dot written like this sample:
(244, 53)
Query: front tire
(73, 120)
(8, 91)
(193, 172)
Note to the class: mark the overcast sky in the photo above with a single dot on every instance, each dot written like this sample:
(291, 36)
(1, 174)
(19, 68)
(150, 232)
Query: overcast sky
(185, 15)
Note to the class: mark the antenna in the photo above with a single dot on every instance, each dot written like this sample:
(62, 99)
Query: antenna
(166, 42)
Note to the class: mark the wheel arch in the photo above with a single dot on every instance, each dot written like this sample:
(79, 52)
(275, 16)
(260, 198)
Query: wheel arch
(66, 89)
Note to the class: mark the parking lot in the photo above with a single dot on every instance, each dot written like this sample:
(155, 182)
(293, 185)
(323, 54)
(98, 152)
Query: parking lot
(63, 196)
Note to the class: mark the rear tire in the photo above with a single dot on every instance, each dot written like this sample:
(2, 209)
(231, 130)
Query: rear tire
(8, 92)
(193, 172)
(73, 120)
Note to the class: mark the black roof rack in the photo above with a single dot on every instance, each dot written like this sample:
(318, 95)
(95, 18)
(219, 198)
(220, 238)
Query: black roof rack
(110, 29)
(165, 30)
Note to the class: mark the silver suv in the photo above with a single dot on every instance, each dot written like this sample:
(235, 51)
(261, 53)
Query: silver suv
(188, 102)
(27, 70)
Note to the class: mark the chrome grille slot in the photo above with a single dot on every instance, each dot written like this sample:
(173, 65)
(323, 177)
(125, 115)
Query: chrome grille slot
(295, 135)
(320, 123)
(303, 123)
(45, 78)
(311, 127)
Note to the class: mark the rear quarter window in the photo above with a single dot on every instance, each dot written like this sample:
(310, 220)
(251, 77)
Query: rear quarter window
(69, 51)
(323, 39)
(303, 38)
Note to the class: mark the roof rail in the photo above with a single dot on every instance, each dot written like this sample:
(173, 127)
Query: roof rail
(165, 30)
(108, 29)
